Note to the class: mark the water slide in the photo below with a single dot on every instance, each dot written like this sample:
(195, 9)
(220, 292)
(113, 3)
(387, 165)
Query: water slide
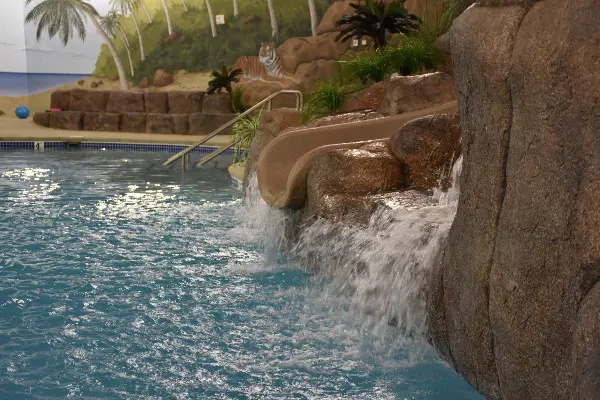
(284, 163)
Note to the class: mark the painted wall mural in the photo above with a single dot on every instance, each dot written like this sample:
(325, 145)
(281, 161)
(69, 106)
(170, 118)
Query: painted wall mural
(122, 44)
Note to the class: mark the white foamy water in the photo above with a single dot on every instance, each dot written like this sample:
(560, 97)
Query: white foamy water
(377, 272)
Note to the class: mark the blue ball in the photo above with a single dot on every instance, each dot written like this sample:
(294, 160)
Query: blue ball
(22, 112)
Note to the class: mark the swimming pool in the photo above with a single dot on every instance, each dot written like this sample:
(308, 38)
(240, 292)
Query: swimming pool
(120, 279)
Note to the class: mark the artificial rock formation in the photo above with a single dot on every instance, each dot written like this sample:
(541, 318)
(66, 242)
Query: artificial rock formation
(410, 93)
(428, 147)
(514, 300)
(367, 99)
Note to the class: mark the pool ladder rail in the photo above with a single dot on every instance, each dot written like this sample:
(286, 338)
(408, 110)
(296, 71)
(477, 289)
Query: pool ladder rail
(184, 154)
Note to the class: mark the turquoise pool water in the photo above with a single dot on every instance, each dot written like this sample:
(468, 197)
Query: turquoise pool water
(121, 280)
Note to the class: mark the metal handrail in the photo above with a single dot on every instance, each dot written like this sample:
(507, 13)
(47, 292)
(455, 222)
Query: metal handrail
(268, 101)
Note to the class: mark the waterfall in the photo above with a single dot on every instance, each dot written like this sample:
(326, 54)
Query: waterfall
(378, 271)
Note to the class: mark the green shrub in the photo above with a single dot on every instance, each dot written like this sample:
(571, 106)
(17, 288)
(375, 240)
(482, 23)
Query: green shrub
(435, 25)
(237, 99)
(369, 66)
(328, 99)
(243, 133)
(414, 56)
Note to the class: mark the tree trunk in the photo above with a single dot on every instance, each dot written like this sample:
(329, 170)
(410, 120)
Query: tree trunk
(114, 52)
(141, 39)
(169, 23)
(273, 16)
(211, 16)
(147, 11)
(236, 8)
(184, 5)
(313, 16)
(126, 42)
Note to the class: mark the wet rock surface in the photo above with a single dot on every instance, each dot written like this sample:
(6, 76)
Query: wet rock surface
(367, 99)
(428, 147)
(514, 299)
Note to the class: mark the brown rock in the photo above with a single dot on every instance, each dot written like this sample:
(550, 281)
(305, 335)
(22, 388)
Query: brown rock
(144, 83)
(217, 103)
(123, 101)
(162, 78)
(61, 99)
(41, 119)
(427, 148)
(81, 82)
(315, 71)
(335, 11)
(256, 91)
(94, 85)
(133, 122)
(443, 44)
(94, 121)
(411, 93)
(167, 123)
(586, 350)
(156, 102)
(70, 120)
(296, 51)
(341, 119)
(89, 100)
(367, 99)
(340, 175)
(203, 124)
(272, 124)
(185, 102)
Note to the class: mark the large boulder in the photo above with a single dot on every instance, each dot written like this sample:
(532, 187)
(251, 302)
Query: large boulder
(256, 91)
(162, 78)
(70, 120)
(428, 147)
(185, 102)
(272, 124)
(167, 123)
(88, 100)
(204, 123)
(61, 100)
(514, 299)
(311, 73)
(339, 176)
(42, 119)
(411, 93)
(296, 51)
(94, 121)
(123, 101)
(133, 122)
(216, 103)
(156, 102)
(341, 119)
(367, 99)
(335, 11)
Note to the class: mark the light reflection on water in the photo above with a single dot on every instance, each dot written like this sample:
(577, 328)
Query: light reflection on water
(126, 281)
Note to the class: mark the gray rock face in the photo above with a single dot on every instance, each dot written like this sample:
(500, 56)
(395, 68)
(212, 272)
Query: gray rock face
(514, 302)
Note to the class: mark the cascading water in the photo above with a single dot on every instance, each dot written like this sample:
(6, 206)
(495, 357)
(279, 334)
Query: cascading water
(377, 272)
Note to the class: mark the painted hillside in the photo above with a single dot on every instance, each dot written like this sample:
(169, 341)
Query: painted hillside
(192, 44)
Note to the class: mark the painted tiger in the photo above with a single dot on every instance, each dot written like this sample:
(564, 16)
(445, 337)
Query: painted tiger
(265, 67)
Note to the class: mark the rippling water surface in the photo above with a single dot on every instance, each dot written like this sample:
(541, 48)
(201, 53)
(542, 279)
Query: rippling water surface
(119, 280)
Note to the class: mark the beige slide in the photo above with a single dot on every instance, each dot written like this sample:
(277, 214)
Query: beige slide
(284, 163)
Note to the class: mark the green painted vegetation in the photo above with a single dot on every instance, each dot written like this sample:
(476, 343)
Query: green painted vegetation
(192, 47)
(237, 99)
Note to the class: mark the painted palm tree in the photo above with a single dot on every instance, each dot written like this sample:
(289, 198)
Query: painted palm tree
(377, 19)
(145, 7)
(169, 23)
(223, 78)
(273, 16)
(313, 16)
(211, 16)
(66, 17)
(130, 7)
(111, 24)
(236, 8)
(184, 5)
